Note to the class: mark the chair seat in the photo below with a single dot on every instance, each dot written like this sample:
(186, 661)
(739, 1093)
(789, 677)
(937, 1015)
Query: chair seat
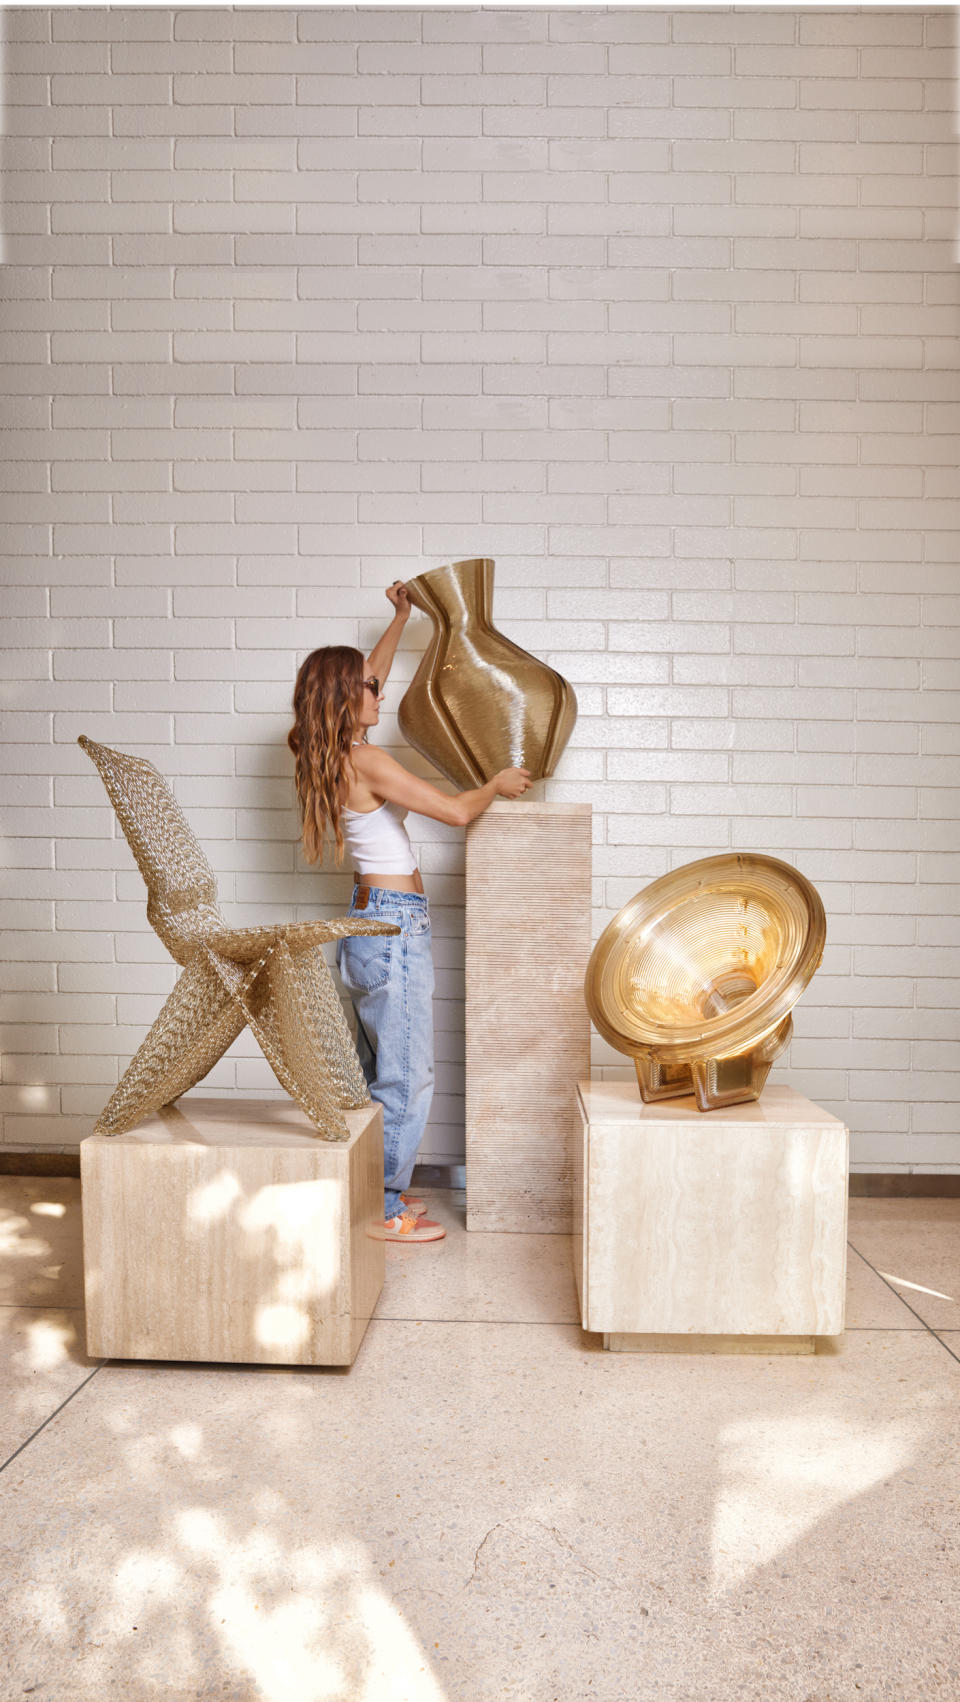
(242, 944)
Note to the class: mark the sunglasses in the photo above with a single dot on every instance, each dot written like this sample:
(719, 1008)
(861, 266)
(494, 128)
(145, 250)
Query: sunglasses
(373, 685)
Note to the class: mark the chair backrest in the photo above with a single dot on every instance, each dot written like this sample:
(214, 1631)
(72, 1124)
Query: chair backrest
(181, 885)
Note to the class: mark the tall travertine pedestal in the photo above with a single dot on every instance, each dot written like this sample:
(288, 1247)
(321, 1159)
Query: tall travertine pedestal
(224, 1230)
(528, 1035)
(722, 1231)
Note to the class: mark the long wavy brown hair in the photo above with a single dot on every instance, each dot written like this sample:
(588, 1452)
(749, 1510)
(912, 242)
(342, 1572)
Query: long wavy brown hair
(327, 700)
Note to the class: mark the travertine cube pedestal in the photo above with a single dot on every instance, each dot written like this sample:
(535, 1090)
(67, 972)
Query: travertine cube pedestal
(527, 1030)
(722, 1231)
(225, 1230)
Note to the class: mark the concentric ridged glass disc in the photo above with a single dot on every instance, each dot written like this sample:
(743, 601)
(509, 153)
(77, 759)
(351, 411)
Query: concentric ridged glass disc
(708, 959)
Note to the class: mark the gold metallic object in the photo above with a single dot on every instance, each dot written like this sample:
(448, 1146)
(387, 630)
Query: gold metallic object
(696, 977)
(478, 703)
(273, 980)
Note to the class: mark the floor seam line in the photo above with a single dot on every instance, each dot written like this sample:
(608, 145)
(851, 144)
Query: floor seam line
(928, 1327)
(57, 1410)
(514, 1323)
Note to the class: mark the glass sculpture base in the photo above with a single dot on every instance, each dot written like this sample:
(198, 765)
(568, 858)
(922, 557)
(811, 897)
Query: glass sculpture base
(713, 1082)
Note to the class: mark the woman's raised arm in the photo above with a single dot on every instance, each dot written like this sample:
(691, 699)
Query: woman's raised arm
(380, 660)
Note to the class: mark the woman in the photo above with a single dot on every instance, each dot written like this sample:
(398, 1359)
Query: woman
(361, 795)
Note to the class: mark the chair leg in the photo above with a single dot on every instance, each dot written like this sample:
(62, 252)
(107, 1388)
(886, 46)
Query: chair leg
(200, 1019)
(294, 1011)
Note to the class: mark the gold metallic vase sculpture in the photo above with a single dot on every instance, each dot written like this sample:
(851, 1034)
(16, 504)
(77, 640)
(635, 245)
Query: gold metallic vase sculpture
(273, 980)
(695, 978)
(478, 703)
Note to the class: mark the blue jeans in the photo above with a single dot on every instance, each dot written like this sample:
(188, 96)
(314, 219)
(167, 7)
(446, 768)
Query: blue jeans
(390, 979)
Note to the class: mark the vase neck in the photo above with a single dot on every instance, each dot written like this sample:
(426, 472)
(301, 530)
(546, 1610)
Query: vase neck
(459, 595)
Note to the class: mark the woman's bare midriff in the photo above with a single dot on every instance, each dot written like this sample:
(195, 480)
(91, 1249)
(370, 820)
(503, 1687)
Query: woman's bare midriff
(395, 883)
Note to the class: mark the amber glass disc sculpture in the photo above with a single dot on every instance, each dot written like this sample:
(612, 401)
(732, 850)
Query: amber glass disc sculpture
(696, 977)
(478, 703)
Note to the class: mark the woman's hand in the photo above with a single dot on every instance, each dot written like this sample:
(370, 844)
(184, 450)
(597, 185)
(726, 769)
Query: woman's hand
(398, 596)
(512, 782)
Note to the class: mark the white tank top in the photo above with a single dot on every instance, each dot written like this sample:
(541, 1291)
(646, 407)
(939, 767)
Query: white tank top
(378, 841)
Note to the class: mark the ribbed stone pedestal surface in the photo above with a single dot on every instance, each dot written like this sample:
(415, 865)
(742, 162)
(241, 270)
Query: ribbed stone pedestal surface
(726, 1225)
(527, 1034)
(224, 1230)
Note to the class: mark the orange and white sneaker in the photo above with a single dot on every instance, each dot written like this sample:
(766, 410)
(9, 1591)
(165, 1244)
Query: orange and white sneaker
(417, 1207)
(406, 1227)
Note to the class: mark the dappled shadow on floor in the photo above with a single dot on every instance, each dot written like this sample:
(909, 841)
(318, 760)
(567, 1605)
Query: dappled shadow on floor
(477, 1512)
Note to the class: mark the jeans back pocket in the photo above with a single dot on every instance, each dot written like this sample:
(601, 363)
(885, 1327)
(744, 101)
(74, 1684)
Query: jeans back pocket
(364, 961)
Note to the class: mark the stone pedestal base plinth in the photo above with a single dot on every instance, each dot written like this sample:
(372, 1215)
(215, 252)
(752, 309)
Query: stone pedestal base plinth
(528, 1033)
(720, 1231)
(224, 1230)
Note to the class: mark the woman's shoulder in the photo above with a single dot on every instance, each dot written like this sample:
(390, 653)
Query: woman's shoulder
(366, 771)
(360, 755)
(369, 760)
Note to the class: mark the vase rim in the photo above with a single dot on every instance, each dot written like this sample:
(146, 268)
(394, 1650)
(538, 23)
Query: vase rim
(457, 592)
(446, 568)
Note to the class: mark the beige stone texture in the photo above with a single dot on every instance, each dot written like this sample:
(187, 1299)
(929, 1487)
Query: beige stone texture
(727, 1224)
(638, 1343)
(41, 1240)
(498, 1277)
(225, 1230)
(42, 1363)
(486, 1507)
(527, 1030)
(906, 1243)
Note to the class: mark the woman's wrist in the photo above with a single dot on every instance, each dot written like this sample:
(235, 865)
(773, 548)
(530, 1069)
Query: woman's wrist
(476, 799)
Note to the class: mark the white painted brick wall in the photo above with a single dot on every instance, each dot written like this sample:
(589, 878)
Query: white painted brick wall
(657, 308)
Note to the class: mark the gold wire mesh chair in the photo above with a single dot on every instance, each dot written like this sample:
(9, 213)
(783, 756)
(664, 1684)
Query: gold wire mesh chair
(273, 980)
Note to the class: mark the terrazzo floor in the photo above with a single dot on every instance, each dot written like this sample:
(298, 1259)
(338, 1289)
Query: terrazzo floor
(486, 1506)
